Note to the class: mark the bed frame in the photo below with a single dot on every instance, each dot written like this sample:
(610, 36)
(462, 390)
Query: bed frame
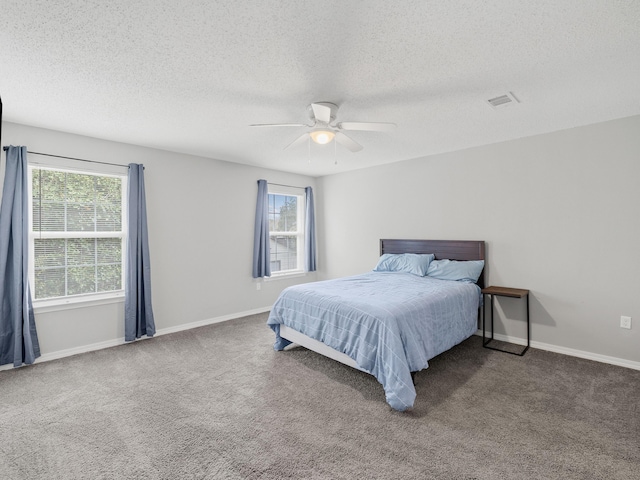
(451, 249)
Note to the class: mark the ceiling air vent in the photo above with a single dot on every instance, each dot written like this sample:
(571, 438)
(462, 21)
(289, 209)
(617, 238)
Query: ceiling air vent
(503, 100)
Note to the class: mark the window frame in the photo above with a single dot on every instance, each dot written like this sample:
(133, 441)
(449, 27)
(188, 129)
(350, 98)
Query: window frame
(273, 189)
(85, 299)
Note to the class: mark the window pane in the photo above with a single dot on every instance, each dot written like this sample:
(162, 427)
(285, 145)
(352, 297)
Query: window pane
(108, 190)
(109, 250)
(109, 277)
(80, 188)
(80, 203)
(284, 253)
(49, 252)
(288, 215)
(80, 217)
(273, 212)
(48, 216)
(49, 283)
(108, 204)
(81, 280)
(81, 251)
(52, 185)
(108, 217)
(283, 213)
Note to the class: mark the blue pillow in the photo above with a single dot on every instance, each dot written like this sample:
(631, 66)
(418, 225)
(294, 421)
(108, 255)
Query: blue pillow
(466, 271)
(405, 262)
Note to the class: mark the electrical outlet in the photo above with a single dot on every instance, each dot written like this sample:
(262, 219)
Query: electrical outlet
(258, 285)
(625, 322)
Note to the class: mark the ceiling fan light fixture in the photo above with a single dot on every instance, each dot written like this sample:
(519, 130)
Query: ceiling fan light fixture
(322, 137)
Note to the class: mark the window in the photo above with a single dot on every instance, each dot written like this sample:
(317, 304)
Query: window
(77, 233)
(286, 230)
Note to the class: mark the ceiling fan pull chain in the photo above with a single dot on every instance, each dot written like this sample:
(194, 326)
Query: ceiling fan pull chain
(309, 148)
(335, 153)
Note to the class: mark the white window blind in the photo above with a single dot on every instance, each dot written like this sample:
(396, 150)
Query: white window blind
(77, 234)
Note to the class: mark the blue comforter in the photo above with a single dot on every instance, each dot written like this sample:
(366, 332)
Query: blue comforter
(390, 324)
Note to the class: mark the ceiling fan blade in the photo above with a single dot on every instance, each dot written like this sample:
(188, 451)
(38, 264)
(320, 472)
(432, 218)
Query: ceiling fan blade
(279, 125)
(347, 142)
(321, 112)
(370, 126)
(301, 139)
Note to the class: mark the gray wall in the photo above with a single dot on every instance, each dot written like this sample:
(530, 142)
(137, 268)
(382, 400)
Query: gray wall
(200, 214)
(559, 212)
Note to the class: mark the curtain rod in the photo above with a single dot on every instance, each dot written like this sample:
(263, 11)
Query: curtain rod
(282, 185)
(79, 159)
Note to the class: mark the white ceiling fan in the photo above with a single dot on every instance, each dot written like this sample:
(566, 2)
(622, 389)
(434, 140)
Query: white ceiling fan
(324, 128)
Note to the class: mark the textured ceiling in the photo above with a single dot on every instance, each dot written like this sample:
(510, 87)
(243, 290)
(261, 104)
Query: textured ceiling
(190, 76)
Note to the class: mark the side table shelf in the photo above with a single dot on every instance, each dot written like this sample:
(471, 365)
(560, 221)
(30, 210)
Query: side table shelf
(504, 292)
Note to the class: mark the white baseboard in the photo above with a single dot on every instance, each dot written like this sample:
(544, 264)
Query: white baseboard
(621, 362)
(120, 341)
(201, 323)
(210, 321)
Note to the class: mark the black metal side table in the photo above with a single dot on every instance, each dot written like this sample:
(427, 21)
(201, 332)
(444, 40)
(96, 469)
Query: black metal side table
(504, 292)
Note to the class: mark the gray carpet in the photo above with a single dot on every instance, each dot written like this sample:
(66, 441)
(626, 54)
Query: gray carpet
(218, 403)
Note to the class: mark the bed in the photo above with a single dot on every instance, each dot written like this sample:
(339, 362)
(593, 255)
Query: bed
(386, 323)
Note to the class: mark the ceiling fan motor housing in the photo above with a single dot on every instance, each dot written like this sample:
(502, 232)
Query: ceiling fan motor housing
(332, 106)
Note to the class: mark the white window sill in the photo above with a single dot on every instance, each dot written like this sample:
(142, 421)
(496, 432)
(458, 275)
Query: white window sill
(81, 301)
(283, 276)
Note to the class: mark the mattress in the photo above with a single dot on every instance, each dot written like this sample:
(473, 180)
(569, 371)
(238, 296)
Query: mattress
(389, 323)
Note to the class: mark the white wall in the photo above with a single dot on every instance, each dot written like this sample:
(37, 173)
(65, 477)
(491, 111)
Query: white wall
(559, 212)
(200, 218)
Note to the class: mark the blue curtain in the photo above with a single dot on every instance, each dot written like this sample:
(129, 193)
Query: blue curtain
(309, 232)
(261, 253)
(138, 314)
(18, 336)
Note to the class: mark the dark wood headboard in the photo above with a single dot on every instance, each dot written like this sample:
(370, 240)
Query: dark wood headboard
(451, 249)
